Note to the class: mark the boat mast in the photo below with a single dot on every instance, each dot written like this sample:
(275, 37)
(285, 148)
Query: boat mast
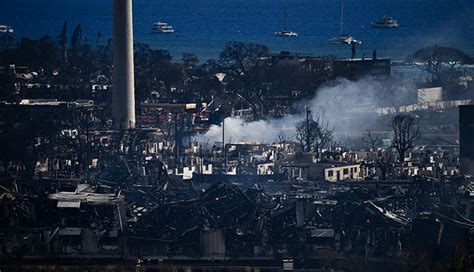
(284, 22)
(342, 15)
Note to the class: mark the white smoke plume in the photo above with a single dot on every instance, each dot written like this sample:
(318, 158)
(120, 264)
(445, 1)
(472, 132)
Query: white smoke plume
(262, 131)
(348, 106)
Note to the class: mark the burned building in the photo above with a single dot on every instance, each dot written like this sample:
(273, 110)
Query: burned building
(359, 68)
(466, 139)
(92, 185)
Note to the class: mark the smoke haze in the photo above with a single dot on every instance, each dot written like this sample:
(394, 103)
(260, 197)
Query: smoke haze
(348, 106)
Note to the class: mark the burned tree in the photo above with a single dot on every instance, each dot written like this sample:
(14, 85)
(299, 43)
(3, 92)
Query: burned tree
(307, 134)
(63, 42)
(314, 134)
(242, 63)
(76, 40)
(371, 140)
(405, 132)
(239, 58)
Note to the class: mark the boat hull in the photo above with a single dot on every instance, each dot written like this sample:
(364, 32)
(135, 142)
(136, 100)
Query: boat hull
(385, 26)
(285, 34)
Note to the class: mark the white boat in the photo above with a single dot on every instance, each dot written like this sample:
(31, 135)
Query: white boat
(344, 38)
(385, 22)
(285, 32)
(162, 27)
(6, 29)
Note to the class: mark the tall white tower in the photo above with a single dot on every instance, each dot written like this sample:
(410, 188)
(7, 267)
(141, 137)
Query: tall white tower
(123, 98)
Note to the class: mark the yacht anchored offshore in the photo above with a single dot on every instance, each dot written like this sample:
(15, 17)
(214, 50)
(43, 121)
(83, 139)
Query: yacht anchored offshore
(344, 38)
(5, 29)
(385, 22)
(285, 32)
(162, 27)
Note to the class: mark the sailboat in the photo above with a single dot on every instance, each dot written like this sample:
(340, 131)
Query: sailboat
(285, 32)
(344, 38)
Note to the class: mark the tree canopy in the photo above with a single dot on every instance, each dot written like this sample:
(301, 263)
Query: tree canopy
(439, 61)
(239, 58)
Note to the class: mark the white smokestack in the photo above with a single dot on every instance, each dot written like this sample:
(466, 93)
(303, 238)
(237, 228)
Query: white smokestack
(123, 100)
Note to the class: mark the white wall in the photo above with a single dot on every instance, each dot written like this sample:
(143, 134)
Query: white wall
(353, 173)
(430, 94)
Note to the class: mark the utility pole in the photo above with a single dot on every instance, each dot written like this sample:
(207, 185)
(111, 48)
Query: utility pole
(182, 135)
(308, 138)
(200, 156)
(87, 147)
(224, 151)
(176, 139)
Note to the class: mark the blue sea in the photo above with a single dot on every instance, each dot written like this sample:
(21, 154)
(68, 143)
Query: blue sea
(204, 26)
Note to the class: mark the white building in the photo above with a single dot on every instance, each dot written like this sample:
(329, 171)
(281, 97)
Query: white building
(343, 172)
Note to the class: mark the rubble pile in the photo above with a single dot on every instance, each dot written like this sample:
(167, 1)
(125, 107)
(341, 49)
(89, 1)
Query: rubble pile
(228, 221)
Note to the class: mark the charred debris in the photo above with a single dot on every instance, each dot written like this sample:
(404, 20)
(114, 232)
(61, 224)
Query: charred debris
(72, 191)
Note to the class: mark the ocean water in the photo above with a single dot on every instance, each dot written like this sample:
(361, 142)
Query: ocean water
(204, 26)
